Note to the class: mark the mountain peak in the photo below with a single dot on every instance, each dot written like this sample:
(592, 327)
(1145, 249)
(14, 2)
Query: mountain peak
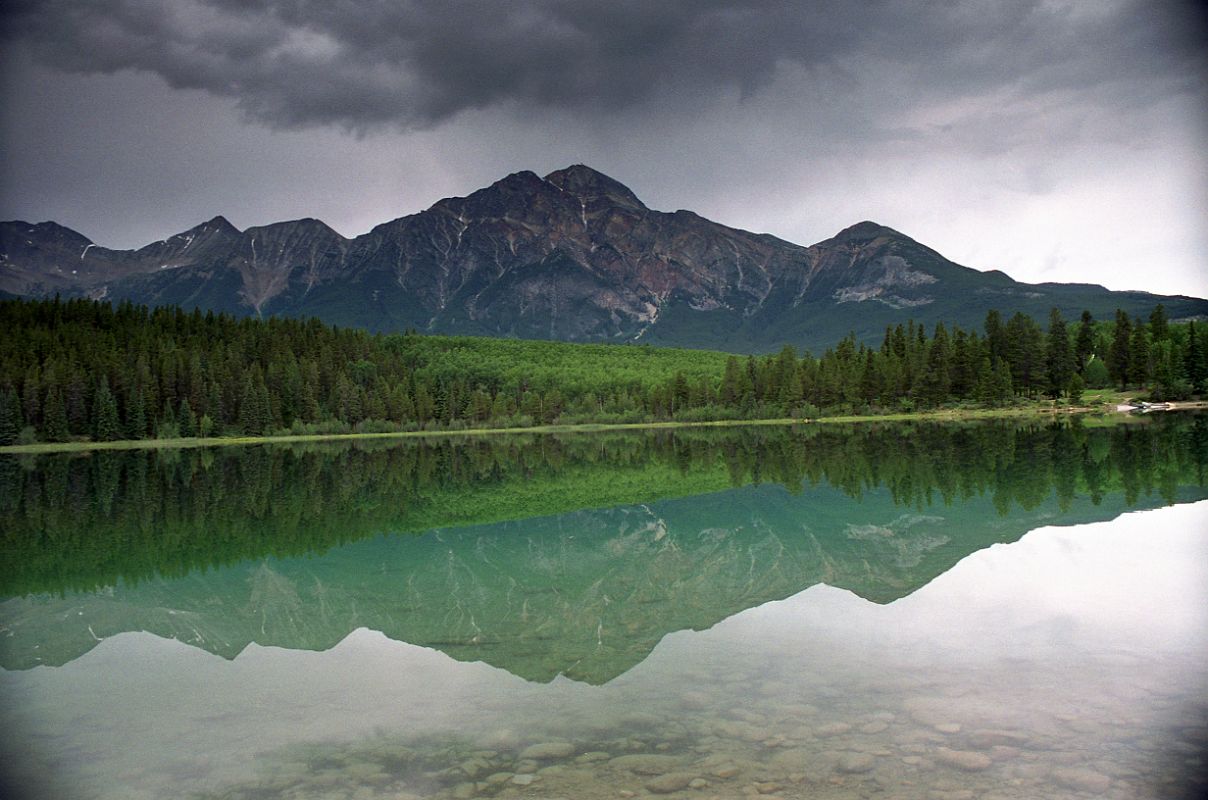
(866, 231)
(306, 224)
(218, 223)
(589, 184)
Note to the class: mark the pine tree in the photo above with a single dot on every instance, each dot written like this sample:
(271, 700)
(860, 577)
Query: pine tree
(188, 419)
(679, 392)
(55, 417)
(1119, 357)
(935, 381)
(731, 383)
(11, 421)
(993, 383)
(1159, 328)
(31, 397)
(1139, 367)
(786, 378)
(870, 379)
(1084, 348)
(964, 364)
(996, 336)
(166, 427)
(1096, 375)
(1058, 356)
(136, 415)
(76, 404)
(254, 413)
(1195, 358)
(106, 425)
(1026, 354)
(1076, 386)
(1168, 381)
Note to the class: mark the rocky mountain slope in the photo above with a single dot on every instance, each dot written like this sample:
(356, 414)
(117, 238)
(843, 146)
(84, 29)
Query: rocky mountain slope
(573, 256)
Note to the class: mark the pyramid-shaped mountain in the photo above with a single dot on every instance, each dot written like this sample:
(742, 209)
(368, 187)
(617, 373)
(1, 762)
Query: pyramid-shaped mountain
(574, 256)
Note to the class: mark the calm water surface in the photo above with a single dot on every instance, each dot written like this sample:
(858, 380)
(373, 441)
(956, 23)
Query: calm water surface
(886, 612)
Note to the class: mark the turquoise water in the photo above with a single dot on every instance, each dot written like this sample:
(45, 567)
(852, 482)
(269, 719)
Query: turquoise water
(903, 612)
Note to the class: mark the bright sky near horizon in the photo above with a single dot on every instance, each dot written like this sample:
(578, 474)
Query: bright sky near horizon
(1056, 140)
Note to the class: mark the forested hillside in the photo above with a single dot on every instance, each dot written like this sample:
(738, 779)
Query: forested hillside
(83, 369)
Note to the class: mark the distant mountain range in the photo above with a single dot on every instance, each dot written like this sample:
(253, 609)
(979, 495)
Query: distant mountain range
(574, 256)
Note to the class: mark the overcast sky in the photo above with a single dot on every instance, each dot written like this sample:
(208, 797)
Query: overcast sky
(1057, 141)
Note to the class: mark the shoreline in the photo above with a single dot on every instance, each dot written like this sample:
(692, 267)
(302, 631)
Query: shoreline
(939, 415)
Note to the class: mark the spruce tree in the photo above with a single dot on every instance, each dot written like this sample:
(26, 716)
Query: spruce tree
(870, 379)
(106, 427)
(166, 427)
(31, 397)
(731, 383)
(1096, 375)
(1159, 328)
(1026, 354)
(964, 364)
(136, 414)
(254, 416)
(996, 336)
(1076, 386)
(11, 421)
(1058, 356)
(76, 405)
(1195, 358)
(1139, 367)
(1084, 348)
(187, 421)
(1168, 381)
(1119, 356)
(55, 417)
(935, 381)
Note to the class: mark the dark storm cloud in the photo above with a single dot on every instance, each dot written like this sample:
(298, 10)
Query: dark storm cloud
(364, 64)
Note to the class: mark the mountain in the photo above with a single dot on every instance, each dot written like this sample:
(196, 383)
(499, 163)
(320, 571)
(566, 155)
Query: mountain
(573, 256)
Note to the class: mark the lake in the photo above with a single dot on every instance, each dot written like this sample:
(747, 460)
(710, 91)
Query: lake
(987, 610)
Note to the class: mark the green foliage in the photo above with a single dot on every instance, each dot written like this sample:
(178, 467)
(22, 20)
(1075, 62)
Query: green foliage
(1119, 358)
(1059, 356)
(1076, 386)
(1084, 346)
(10, 416)
(1095, 375)
(56, 417)
(107, 427)
(79, 368)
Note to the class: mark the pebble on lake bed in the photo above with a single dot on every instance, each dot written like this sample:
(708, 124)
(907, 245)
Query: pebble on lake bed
(547, 750)
(646, 764)
(670, 782)
(856, 762)
(834, 729)
(963, 759)
(1082, 779)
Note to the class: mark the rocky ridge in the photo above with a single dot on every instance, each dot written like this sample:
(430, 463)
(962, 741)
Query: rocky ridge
(574, 255)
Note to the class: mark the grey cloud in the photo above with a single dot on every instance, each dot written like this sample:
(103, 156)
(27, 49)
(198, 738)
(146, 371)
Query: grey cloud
(364, 64)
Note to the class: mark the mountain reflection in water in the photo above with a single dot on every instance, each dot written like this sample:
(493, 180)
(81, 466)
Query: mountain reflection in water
(814, 612)
(299, 547)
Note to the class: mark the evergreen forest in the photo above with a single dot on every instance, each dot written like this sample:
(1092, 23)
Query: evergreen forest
(86, 370)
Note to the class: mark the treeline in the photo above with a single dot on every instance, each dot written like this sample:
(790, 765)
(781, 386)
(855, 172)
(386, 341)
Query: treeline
(86, 370)
(70, 522)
